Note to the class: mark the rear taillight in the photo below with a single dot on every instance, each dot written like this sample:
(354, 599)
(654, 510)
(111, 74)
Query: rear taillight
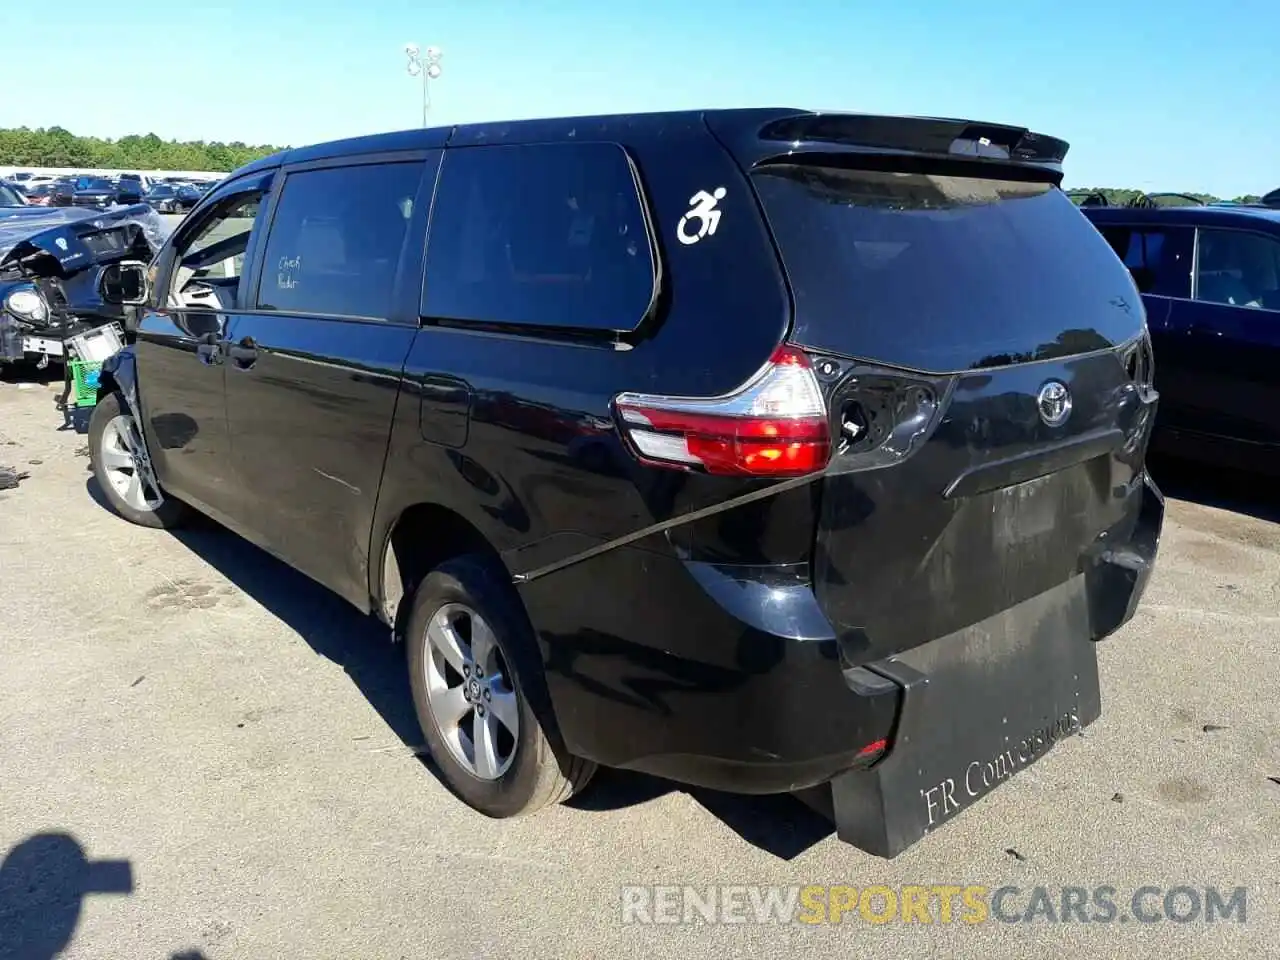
(1138, 362)
(775, 425)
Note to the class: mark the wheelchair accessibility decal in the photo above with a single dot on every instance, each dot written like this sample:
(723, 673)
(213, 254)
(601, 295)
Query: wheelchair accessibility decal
(702, 209)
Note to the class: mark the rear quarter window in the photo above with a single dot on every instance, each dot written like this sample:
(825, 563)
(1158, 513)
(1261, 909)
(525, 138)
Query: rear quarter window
(546, 235)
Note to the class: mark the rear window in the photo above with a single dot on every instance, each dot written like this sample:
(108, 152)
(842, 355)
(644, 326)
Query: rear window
(943, 273)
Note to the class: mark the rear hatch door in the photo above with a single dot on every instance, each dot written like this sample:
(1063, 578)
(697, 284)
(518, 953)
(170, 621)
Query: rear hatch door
(978, 338)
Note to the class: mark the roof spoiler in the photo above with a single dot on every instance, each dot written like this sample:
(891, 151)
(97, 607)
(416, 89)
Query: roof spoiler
(919, 135)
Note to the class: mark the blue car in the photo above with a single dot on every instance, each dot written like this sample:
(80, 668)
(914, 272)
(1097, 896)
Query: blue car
(1209, 276)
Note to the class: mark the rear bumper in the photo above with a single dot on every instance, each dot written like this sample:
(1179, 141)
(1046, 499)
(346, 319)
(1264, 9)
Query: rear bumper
(1116, 574)
(730, 679)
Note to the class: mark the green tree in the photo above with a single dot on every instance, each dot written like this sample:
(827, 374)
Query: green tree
(56, 147)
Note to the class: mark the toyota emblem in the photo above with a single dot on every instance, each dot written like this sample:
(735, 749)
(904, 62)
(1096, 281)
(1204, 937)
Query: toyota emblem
(1054, 403)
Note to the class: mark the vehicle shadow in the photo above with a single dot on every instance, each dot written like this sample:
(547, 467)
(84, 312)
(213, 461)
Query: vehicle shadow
(1212, 486)
(779, 825)
(330, 626)
(44, 881)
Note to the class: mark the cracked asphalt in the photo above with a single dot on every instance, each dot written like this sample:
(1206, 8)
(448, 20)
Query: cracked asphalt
(205, 755)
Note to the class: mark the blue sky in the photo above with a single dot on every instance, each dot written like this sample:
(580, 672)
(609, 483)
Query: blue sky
(1175, 95)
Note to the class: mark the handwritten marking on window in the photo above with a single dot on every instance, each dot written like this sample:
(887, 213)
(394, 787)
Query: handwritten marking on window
(285, 270)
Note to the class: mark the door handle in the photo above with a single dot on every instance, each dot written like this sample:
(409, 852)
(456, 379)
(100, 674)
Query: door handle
(244, 353)
(209, 348)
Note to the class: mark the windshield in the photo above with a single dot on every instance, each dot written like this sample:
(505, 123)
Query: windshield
(97, 185)
(161, 190)
(944, 273)
(9, 197)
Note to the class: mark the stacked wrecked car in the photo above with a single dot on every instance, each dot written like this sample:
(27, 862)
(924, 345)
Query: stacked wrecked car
(54, 262)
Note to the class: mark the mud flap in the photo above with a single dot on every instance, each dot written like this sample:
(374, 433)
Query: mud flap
(978, 706)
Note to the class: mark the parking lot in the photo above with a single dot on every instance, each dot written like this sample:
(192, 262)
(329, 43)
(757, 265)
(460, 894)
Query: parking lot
(203, 754)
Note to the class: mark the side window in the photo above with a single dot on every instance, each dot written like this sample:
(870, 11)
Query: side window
(545, 235)
(1238, 268)
(210, 261)
(1158, 257)
(336, 238)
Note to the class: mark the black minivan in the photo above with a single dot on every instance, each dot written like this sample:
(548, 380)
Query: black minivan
(758, 449)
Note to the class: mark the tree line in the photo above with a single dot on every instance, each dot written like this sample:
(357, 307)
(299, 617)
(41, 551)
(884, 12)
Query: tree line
(1119, 196)
(56, 147)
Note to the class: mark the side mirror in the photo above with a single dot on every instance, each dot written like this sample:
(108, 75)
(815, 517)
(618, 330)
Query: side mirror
(124, 283)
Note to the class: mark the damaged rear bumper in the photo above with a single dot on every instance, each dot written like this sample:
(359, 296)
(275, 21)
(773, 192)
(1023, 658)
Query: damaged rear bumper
(980, 705)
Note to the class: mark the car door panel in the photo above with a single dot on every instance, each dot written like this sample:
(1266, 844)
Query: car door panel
(310, 403)
(180, 354)
(183, 398)
(312, 388)
(1227, 354)
(1229, 358)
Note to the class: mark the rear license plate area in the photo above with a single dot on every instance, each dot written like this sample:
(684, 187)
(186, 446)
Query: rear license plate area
(979, 706)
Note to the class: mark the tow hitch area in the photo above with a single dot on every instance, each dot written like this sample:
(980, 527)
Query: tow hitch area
(978, 706)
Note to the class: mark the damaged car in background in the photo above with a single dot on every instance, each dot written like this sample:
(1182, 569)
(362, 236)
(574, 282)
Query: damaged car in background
(56, 263)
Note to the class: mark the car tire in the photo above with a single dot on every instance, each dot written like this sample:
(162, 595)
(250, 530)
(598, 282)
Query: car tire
(122, 468)
(467, 701)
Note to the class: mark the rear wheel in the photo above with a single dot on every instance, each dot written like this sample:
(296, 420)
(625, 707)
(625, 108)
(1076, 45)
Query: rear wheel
(478, 690)
(123, 469)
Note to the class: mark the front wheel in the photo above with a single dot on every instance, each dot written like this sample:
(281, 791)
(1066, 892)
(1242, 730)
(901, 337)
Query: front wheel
(123, 468)
(479, 694)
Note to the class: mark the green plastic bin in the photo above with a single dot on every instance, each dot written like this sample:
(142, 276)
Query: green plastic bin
(84, 382)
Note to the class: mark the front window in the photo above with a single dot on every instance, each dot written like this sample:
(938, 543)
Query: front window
(211, 261)
(1238, 268)
(9, 197)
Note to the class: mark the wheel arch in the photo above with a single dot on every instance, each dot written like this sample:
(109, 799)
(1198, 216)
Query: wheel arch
(119, 374)
(423, 536)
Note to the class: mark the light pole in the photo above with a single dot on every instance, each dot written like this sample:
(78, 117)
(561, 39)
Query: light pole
(427, 66)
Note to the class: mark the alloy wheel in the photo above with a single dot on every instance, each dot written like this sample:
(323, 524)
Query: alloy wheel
(470, 693)
(127, 465)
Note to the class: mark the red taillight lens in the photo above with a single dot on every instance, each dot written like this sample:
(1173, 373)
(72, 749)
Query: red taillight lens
(775, 425)
(872, 749)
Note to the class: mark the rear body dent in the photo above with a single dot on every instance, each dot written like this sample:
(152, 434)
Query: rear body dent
(733, 677)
